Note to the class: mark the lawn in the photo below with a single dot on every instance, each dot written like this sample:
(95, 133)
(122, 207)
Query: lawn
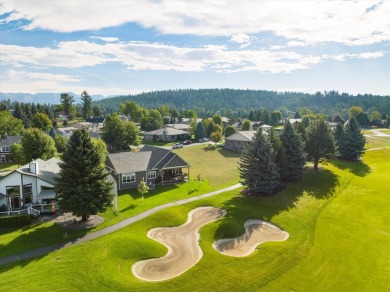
(130, 203)
(339, 240)
(7, 166)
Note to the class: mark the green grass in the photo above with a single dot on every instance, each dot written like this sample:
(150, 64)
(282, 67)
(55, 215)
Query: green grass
(130, 203)
(377, 142)
(339, 240)
(8, 166)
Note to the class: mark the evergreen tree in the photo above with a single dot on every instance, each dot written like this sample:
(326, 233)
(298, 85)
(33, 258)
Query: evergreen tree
(320, 143)
(258, 171)
(354, 141)
(67, 105)
(86, 100)
(294, 156)
(36, 144)
(339, 138)
(96, 111)
(199, 131)
(278, 148)
(82, 187)
(52, 132)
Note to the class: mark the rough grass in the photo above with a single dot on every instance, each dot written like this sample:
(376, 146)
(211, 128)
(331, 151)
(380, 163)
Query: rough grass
(8, 166)
(339, 240)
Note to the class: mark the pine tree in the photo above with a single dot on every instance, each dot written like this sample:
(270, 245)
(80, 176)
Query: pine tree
(354, 140)
(320, 143)
(82, 187)
(294, 155)
(339, 139)
(258, 171)
(199, 131)
(86, 105)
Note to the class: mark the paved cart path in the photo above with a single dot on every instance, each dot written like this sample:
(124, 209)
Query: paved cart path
(107, 230)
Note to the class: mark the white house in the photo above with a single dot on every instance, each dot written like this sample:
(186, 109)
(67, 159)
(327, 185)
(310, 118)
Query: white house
(31, 183)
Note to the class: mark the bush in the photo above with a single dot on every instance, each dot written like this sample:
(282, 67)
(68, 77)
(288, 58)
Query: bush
(15, 221)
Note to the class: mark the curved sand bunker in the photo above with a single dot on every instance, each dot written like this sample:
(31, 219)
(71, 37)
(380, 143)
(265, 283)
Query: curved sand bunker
(183, 246)
(256, 232)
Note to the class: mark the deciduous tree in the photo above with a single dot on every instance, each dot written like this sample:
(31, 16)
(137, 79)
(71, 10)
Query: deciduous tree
(41, 121)
(36, 144)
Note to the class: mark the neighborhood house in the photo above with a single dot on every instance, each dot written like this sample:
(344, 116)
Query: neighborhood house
(5, 147)
(32, 183)
(166, 134)
(238, 140)
(153, 164)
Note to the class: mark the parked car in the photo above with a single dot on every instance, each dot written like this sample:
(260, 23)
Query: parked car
(187, 142)
(204, 140)
(177, 145)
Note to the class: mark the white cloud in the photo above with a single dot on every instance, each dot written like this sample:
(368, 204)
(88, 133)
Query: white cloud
(157, 57)
(311, 22)
(105, 39)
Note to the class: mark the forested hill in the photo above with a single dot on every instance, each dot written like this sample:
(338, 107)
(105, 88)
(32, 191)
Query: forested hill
(206, 101)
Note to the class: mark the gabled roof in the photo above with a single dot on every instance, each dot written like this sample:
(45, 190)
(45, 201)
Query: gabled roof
(129, 161)
(168, 131)
(179, 126)
(242, 136)
(10, 140)
(148, 158)
(47, 170)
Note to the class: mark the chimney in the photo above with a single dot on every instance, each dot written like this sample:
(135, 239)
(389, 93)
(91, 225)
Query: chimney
(5, 135)
(34, 167)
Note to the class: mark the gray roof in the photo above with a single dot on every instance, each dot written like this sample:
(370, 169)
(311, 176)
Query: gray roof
(179, 126)
(148, 158)
(124, 162)
(47, 170)
(168, 131)
(95, 120)
(242, 136)
(10, 140)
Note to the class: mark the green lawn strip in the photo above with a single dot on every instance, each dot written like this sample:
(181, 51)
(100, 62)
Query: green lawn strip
(351, 250)
(8, 166)
(105, 263)
(377, 142)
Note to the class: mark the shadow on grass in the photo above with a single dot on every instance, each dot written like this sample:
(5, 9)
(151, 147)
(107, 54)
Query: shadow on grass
(318, 184)
(38, 242)
(357, 167)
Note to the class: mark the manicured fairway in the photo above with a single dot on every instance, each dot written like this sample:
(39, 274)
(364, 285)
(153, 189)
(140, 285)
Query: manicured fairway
(339, 238)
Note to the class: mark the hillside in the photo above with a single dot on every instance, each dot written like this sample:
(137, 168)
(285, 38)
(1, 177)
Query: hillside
(206, 101)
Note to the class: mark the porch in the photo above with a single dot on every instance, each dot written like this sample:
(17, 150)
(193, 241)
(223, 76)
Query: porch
(174, 175)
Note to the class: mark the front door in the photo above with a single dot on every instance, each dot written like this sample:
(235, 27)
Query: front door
(15, 202)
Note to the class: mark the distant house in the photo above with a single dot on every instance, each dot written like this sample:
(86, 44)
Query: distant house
(62, 116)
(65, 131)
(90, 127)
(266, 128)
(153, 164)
(166, 134)
(5, 147)
(254, 126)
(295, 121)
(98, 122)
(332, 125)
(31, 183)
(238, 140)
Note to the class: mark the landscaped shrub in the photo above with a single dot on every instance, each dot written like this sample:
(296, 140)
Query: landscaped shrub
(15, 221)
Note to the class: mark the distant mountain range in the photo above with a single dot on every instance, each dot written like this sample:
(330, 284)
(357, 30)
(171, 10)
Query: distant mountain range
(43, 98)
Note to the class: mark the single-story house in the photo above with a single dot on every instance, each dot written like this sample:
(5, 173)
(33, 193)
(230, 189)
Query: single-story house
(153, 164)
(166, 134)
(65, 131)
(90, 127)
(266, 128)
(254, 126)
(31, 183)
(98, 122)
(5, 147)
(238, 140)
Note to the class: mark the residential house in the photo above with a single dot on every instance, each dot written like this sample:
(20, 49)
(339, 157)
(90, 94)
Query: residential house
(31, 183)
(239, 140)
(98, 122)
(166, 134)
(266, 128)
(5, 147)
(90, 127)
(254, 126)
(153, 164)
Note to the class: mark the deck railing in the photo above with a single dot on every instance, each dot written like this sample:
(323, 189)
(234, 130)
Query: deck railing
(33, 210)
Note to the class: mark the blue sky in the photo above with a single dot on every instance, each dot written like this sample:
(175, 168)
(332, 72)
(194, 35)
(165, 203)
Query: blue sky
(115, 47)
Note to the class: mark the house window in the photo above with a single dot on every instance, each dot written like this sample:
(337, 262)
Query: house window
(2, 159)
(151, 174)
(6, 149)
(128, 178)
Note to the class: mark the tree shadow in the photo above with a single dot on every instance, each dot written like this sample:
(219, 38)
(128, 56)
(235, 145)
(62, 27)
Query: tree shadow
(157, 191)
(357, 167)
(130, 207)
(320, 184)
(38, 243)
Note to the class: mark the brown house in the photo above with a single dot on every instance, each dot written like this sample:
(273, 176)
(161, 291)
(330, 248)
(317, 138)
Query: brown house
(238, 140)
(153, 164)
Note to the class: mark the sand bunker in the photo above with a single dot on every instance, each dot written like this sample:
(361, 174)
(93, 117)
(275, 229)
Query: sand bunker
(183, 246)
(257, 232)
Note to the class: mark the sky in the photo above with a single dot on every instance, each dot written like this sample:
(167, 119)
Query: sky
(113, 47)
